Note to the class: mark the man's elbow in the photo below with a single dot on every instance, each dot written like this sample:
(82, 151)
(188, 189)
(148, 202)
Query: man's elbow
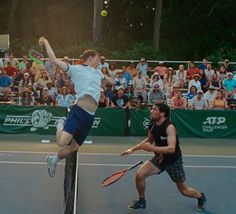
(172, 149)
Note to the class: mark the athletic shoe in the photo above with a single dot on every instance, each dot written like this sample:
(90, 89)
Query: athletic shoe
(51, 166)
(201, 203)
(61, 122)
(137, 204)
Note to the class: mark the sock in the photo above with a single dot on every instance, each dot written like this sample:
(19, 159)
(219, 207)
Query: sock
(55, 159)
(142, 199)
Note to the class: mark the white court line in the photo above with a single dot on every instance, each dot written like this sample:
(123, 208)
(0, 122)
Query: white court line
(115, 154)
(113, 165)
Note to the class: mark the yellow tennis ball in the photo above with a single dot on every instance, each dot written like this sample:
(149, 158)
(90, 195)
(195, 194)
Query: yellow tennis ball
(103, 13)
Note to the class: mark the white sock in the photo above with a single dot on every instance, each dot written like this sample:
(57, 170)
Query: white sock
(55, 159)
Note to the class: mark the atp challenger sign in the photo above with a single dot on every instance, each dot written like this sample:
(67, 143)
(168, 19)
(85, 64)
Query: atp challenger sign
(40, 120)
(205, 123)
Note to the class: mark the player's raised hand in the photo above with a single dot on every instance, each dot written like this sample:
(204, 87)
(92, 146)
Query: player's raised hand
(127, 152)
(41, 41)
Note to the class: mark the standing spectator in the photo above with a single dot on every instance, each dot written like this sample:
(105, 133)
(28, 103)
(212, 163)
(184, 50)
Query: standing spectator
(120, 100)
(103, 100)
(103, 63)
(26, 99)
(191, 71)
(22, 65)
(65, 99)
(132, 70)
(210, 95)
(198, 102)
(156, 95)
(195, 81)
(143, 66)
(219, 103)
(178, 102)
(45, 99)
(139, 84)
(229, 84)
(227, 66)
(161, 69)
(209, 72)
(180, 77)
(13, 61)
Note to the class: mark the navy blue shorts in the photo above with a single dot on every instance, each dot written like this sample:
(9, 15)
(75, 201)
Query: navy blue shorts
(78, 123)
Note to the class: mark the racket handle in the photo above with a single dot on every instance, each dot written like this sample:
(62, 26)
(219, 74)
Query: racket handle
(135, 165)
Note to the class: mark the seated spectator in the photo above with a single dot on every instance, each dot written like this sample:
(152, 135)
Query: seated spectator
(34, 94)
(203, 65)
(161, 69)
(37, 67)
(26, 99)
(178, 102)
(16, 80)
(5, 82)
(10, 70)
(229, 84)
(219, 103)
(192, 93)
(59, 83)
(23, 63)
(120, 100)
(139, 84)
(105, 71)
(120, 80)
(156, 95)
(109, 93)
(175, 90)
(143, 67)
(227, 66)
(129, 91)
(103, 63)
(191, 71)
(103, 100)
(198, 102)
(126, 75)
(52, 91)
(45, 99)
(30, 71)
(169, 79)
(156, 78)
(222, 74)
(195, 81)
(203, 80)
(64, 99)
(113, 69)
(209, 72)
(24, 82)
(43, 80)
(231, 99)
(215, 82)
(13, 61)
(180, 77)
(132, 70)
(210, 95)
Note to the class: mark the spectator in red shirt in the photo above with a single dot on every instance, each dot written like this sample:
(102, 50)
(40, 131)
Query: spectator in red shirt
(191, 71)
(10, 70)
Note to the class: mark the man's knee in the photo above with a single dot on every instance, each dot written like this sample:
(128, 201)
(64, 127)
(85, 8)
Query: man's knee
(183, 189)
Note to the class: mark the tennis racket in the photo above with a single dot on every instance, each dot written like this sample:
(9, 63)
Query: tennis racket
(36, 56)
(118, 175)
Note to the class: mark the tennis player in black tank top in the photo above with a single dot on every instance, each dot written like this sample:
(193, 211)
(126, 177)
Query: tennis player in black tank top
(163, 141)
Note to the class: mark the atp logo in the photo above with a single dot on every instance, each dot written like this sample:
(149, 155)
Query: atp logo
(146, 122)
(214, 120)
(212, 124)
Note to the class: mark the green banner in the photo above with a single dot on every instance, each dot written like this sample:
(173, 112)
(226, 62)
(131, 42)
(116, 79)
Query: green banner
(109, 122)
(205, 123)
(139, 120)
(30, 119)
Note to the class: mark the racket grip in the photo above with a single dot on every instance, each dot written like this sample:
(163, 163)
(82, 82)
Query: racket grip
(135, 165)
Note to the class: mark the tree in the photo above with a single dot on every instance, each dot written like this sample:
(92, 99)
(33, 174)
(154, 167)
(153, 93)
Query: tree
(157, 25)
(97, 21)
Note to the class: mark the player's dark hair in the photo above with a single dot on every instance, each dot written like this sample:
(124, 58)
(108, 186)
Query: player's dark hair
(164, 108)
(88, 53)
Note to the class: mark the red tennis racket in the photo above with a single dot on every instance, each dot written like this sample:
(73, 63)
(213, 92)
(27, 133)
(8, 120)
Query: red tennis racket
(117, 175)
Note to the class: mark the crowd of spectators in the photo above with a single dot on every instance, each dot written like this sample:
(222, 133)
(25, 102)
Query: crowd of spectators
(136, 85)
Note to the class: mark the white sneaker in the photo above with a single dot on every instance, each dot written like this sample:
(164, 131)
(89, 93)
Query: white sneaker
(51, 166)
(61, 122)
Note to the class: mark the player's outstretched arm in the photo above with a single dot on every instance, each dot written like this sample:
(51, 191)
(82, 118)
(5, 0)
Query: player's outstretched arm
(44, 42)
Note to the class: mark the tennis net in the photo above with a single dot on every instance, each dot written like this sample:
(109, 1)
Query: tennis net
(71, 184)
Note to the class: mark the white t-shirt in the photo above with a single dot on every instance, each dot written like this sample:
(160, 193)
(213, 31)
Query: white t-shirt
(86, 80)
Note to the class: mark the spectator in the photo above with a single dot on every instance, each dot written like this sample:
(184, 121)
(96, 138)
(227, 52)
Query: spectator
(175, 90)
(170, 79)
(59, 83)
(45, 99)
(192, 93)
(209, 72)
(22, 65)
(222, 74)
(191, 71)
(143, 67)
(195, 81)
(13, 61)
(24, 82)
(231, 99)
(215, 81)
(52, 91)
(161, 69)
(43, 80)
(156, 78)
(120, 100)
(10, 70)
(198, 102)
(180, 77)
(227, 66)
(16, 80)
(103, 100)
(178, 102)
(34, 94)
(156, 95)
(109, 93)
(210, 95)
(30, 71)
(5, 83)
(229, 84)
(139, 84)
(120, 80)
(26, 99)
(203, 65)
(219, 103)
(203, 80)
(66, 59)
(127, 75)
(132, 70)
(103, 63)
(65, 99)
(105, 71)
(37, 69)
(113, 69)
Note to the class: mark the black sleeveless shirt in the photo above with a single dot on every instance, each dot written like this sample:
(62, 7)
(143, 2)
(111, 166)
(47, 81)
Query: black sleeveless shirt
(160, 138)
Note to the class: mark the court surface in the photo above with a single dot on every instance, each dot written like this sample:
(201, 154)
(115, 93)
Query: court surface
(210, 166)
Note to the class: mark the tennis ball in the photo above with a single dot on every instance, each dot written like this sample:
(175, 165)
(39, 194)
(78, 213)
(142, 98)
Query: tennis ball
(103, 13)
